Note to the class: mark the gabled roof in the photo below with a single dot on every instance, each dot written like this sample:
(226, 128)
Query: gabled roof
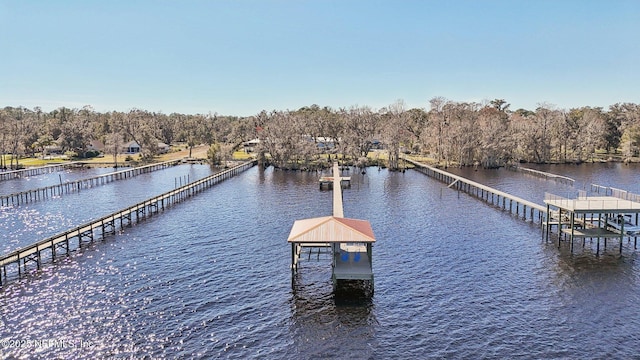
(331, 229)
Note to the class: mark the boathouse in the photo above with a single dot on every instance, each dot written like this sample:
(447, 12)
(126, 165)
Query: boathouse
(349, 242)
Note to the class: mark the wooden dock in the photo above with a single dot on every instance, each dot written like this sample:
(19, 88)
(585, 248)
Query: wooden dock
(35, 255)
(526, 209)
(545, 175)
(34, 171)
(588, 217)
(348, 242)
(326, 182)
(27, 196)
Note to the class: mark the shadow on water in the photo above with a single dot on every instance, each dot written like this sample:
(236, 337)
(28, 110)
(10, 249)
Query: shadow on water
(585, 268)
(353, 293)
(338, 324)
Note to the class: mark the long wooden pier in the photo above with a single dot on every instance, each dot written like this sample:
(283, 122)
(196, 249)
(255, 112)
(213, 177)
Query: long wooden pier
(545, 175)
(74, 186)
(521, 207)
(52, 247)
(34, 171)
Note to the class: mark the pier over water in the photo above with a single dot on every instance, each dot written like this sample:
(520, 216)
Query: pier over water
(585, 217)
(348, 242)
(526, 209)
(32, 257)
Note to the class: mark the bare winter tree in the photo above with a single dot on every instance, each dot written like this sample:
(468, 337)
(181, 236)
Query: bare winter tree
(496, 142)
(393, 131)
(361, 126)
(547, 117)
(439, 126)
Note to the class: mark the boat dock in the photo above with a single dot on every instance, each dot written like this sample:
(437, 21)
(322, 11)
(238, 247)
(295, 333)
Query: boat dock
(545, 175)
(27, 196)
(594, 217)
(526, 209)
(584, 217)
(33, 171)
(326, 182)
(348, 242)
(18, 262)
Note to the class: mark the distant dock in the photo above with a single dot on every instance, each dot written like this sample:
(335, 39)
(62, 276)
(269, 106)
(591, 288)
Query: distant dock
(34, 171)
(615, 215)
(19, 262)
(326, 182)
(38, 194)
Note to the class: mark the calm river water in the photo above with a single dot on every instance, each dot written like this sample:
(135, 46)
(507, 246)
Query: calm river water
(210, 278)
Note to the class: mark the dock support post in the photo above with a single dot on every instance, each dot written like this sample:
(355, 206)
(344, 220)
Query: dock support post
(573, 216)
(621, 235)
(547, 221)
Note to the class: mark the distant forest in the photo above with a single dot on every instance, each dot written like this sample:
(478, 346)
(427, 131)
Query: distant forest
(451, 133)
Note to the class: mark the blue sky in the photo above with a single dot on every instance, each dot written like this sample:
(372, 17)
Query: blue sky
(241, 57)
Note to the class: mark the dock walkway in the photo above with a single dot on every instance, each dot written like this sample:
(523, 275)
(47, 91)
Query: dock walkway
(545, 175)
(52, 247)
(34, 171)
(514, 204)
(38, 194)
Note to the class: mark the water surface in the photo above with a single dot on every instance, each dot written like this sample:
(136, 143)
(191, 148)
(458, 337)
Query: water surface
(455, 278)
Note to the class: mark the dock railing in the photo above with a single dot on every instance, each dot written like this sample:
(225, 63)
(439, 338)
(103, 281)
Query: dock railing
(585, 203)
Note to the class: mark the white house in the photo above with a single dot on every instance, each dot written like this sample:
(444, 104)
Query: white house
(133, 148)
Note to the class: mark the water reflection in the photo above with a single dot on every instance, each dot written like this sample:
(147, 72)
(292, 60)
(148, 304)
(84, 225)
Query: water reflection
(339, 324)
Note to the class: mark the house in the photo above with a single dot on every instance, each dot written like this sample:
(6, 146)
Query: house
(133, 148)
(324, 143)
(53, 149)
(163, 148)
(96, 145)
(250, 145)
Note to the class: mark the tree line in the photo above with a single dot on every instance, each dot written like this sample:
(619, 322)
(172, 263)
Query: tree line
(489, 134)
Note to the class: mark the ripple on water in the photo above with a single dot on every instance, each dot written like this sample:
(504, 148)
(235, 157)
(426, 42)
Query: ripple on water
(210, 278)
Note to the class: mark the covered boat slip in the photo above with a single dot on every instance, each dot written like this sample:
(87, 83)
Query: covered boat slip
(349, 242)
(593, 217)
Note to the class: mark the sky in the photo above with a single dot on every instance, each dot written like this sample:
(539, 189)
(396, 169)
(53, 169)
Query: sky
(244, 56)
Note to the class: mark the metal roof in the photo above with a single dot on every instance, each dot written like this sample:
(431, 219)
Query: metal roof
(330, 229)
